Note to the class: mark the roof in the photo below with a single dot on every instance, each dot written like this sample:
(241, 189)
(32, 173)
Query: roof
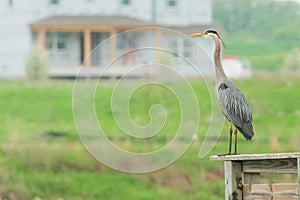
(92, 20)
(100, 23)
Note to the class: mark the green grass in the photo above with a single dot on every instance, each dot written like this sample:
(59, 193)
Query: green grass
(33, 163)
(264, 54)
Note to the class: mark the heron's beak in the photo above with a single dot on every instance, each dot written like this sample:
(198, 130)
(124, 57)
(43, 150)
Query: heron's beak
(197, 35)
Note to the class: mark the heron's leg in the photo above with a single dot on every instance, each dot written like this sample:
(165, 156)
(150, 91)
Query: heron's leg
(235, 141)
(230, 137)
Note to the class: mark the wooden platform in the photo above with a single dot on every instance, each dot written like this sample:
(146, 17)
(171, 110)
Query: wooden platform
(257, 156)
(242, 175)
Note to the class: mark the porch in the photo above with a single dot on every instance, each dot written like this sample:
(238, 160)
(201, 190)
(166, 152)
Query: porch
(70, 40)
(116, 42)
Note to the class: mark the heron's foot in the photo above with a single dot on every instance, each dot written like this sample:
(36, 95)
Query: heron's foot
(228, 154)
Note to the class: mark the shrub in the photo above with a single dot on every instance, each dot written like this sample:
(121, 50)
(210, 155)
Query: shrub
(292, 61)
(37, 64)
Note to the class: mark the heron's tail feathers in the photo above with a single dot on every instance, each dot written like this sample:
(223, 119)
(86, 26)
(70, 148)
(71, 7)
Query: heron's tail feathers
(246, 130)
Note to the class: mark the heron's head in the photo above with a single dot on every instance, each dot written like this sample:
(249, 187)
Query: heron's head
(210, 33)
(207, 34)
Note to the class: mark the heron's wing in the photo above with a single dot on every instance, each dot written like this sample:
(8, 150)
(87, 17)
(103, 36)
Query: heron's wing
(235, 107)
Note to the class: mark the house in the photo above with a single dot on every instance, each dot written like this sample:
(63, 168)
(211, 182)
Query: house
(71, 32)
(236, 68)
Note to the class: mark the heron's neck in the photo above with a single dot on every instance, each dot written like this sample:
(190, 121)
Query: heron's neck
(220, 75)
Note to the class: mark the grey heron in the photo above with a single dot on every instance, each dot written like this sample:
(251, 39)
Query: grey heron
(232, 101)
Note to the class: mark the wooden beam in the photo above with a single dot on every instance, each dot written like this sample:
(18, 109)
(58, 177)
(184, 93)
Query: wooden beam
(81, 27)
(157, 44)
(298, 173)
(87, 47)
(70, 28)
(273, 156)
(278, 166)
(113, 46)
(42, 38)
(233, 180)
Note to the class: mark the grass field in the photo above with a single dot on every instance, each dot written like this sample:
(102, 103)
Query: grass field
(262, 53)
(42, 156)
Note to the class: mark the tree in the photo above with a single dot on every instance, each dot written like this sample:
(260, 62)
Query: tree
(268, 19)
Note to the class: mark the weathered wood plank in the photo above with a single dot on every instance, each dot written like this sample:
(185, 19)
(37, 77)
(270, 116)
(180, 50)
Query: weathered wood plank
(287, 197)
(261, 197)
(270, 191)
(255, 197)
(257, 189)
(233, 180)
(298, 171)
(285, 189)
(251, 178)
(270, 166)
(256, 156)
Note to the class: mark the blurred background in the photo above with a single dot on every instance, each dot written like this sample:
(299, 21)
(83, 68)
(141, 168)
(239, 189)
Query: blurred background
(45, 42)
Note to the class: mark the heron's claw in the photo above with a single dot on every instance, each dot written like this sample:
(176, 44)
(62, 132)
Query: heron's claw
(228, 154)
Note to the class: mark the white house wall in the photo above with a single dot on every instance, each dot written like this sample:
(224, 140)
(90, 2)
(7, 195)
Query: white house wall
(15, 34)
(188, 12)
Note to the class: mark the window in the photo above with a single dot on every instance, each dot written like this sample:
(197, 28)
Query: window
(172, 3)
(181, 47)
(54, 2)
(125, 2)
(56, 41)
(187, 49)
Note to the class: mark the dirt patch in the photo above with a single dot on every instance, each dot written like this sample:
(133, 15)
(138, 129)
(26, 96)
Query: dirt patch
(170, 177)
(215, 174)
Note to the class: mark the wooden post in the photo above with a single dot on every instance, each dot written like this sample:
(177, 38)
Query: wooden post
(42, 38)
(298, 173)
(157, 44)
(87, 47)
(113, 46)
(233, 180)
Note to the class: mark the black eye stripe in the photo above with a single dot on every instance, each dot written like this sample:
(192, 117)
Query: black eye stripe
(212, 31)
